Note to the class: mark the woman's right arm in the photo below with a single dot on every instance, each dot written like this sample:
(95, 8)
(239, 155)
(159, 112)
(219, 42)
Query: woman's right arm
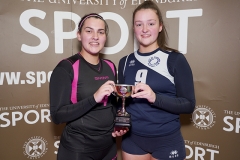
(61, 108)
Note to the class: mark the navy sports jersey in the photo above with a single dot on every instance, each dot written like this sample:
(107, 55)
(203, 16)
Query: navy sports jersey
(88, 123)
(170, 77)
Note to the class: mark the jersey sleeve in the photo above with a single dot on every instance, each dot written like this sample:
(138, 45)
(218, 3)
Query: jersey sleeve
(61, 108)
(184, 102)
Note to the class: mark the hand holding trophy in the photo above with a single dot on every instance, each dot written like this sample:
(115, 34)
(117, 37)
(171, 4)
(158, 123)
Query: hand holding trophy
(123, 119)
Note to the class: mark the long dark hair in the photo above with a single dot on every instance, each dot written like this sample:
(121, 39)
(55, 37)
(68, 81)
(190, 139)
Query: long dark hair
(162, 36)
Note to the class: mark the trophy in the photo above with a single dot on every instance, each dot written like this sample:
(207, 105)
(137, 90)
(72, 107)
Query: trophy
(123, 119)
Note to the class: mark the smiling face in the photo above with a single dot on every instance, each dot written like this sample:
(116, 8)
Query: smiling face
(92, 35)
(146, 29)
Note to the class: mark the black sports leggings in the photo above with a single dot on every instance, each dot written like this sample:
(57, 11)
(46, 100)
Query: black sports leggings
(106, 154)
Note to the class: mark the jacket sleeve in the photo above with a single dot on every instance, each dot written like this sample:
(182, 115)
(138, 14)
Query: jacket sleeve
(61, 108)
(184, 102)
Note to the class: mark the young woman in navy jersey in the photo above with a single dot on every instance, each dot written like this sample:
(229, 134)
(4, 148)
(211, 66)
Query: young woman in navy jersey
(80, 96)
(163, 89)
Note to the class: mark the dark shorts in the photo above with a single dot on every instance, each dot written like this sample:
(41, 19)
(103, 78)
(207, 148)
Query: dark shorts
(106, 154)
(170, 147)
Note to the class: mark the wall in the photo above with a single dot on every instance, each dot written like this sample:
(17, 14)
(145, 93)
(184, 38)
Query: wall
(37, 34)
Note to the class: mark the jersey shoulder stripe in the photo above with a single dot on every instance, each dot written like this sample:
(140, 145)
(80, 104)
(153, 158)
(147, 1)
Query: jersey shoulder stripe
(157, 62)
(74, 60)
(111, 65)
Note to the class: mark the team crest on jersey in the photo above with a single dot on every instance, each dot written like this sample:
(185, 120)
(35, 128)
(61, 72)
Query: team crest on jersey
(153, 61)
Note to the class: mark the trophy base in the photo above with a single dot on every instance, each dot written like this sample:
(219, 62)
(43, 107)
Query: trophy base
(123, 121)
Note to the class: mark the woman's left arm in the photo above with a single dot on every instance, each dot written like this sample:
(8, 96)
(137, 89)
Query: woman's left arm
(184, 102)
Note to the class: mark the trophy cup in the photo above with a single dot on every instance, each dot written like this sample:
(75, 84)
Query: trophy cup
(123, 119)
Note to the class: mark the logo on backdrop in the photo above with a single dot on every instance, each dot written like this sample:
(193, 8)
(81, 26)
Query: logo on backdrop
(10, 116)
(56, 143)
(231, 121)
(203, 117)
(201, 150)
(35, 147)
(121, 3)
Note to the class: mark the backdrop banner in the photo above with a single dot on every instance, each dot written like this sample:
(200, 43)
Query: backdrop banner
(37, 34)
